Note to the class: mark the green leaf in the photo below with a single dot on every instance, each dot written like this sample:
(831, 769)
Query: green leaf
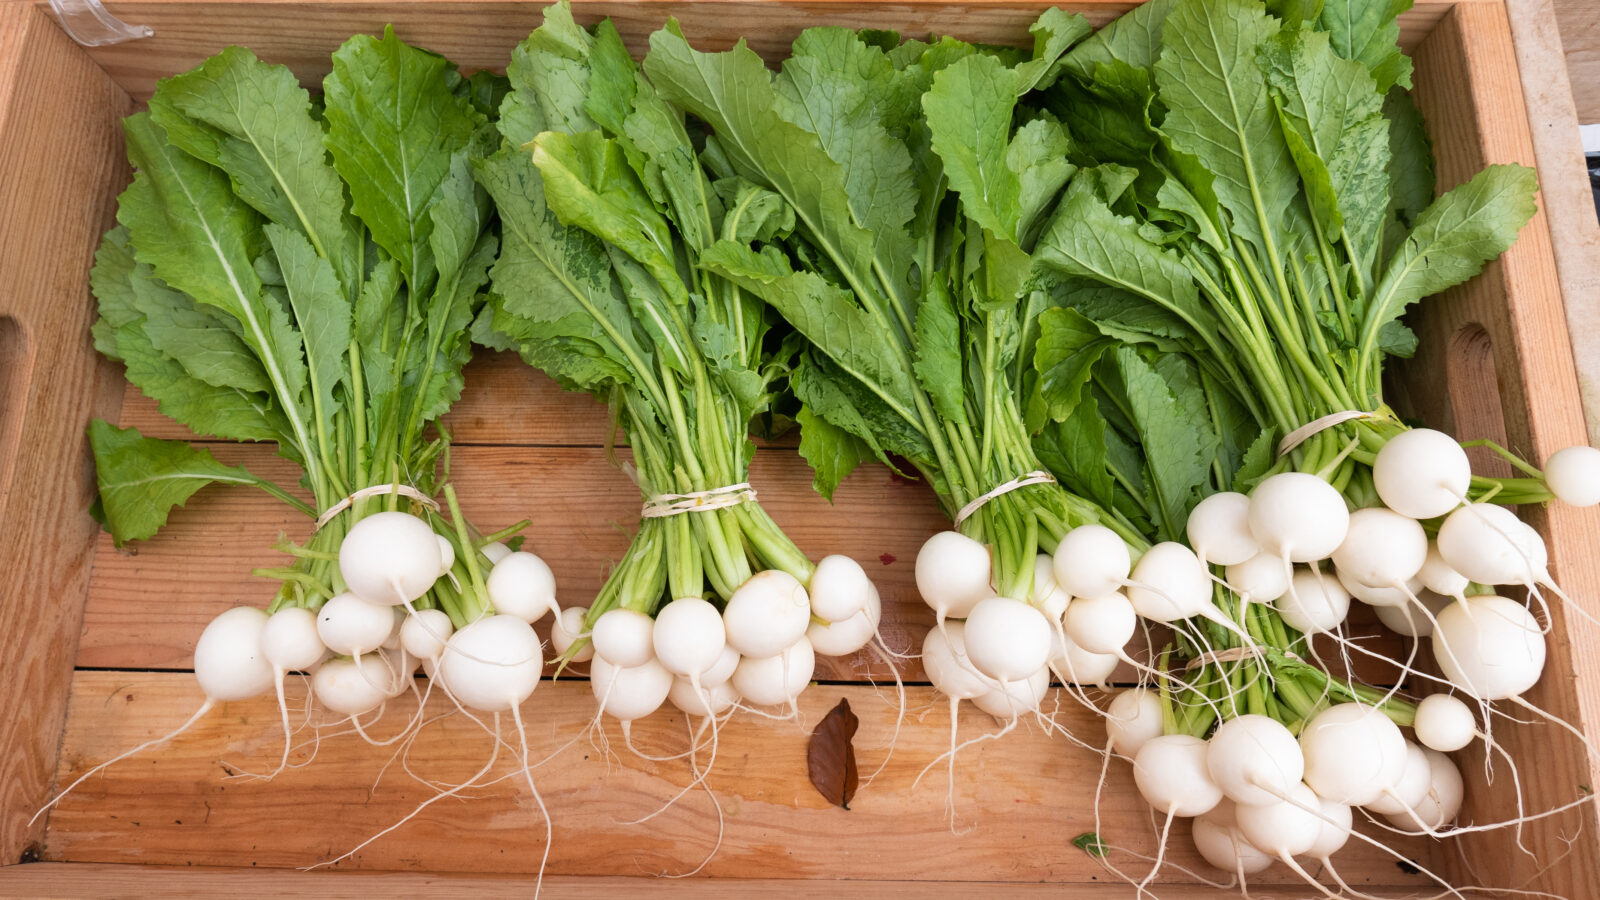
(141, 479)
(1133, 38)
(253, 121)
(827, 315)
(555, 292)
(1089, 842)
(1219, 111)
(1332, 115)
(393, 124)
(1074, 450)
(824, 90)
(832, 394)
(1168, 410)
(1065, 355)
(1086, 239)
(177, 204)
(1258, 461)
(939, 348)
(1411, 181)
(831, 451)
(549, 75)
(969, 114)
(323, 317)
(733, 93)
(1453, 239)
(1053, 35)
(1368, 31)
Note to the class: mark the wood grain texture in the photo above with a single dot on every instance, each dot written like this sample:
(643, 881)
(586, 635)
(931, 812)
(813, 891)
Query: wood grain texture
(1580, 39)
(477, 33)
(1550, 96)
(506, 402)
(147, 603)
(1018, 802)
(60, 152)
(134, 882)
(1468, 89)
(1032, 789)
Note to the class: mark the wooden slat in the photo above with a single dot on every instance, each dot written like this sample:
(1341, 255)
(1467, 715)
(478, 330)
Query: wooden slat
(477, 34)
(1019, 802)
(134, 882)
(1556, 88)
(505, 402)
(148, 603)
(1580, 39)
(1468, 90)
(60, 151)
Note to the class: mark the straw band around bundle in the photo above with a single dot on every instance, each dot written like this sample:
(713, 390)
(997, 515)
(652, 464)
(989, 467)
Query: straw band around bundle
(377, 490)
(1304, 433)
(1021, 481)
(662, 505)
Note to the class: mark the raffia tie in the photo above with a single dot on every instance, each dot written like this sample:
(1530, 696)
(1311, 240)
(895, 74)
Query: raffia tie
(1304, 433)
(1232, 654)
(1021, 481)
(663, 505)
(377, 490)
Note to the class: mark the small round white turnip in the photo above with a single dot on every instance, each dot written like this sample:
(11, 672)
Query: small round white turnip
(1422, 473)
(1573, 475)
(521, 585)
(390, 558)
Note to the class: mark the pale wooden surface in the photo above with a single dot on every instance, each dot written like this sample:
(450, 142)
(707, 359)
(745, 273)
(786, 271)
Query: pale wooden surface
(98, 880)
(60, 148)
(1467, 77)
(476, 33)
(1580, 37)
(1019, 801)
(104, 721)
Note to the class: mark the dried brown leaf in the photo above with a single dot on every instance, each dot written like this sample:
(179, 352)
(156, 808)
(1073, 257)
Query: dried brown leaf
(831, 755)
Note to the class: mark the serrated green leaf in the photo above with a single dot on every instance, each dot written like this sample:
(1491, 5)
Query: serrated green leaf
(322, 314)
(554, 286)
(939, 353)
(832, 452)
(141, 479)
(1220, 112)
(253, 121)
(1368, 31)
(969, 115)
(825, 314)
(1453, 239)
(393, 124)
(186, 224)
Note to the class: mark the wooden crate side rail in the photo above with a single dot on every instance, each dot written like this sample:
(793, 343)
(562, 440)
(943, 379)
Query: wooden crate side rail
(60, 153)
(1516, 305)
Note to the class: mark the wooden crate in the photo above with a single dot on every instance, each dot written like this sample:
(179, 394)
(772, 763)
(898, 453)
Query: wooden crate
(96, 640)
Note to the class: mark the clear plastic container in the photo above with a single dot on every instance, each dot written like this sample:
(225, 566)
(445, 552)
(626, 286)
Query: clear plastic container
(91, 25)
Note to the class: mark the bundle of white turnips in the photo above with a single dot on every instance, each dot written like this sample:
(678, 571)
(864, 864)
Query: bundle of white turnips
(1264, 287)
(308, 277)
(607, 211)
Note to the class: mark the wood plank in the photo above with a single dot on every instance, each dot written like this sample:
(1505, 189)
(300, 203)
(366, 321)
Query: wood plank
(136, 882)
(1468, 89)
(478, 34)
(1550, 96)
(1580, 39)
(147, 603)
(60, 150)
(1019, 801)
(505, 402)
